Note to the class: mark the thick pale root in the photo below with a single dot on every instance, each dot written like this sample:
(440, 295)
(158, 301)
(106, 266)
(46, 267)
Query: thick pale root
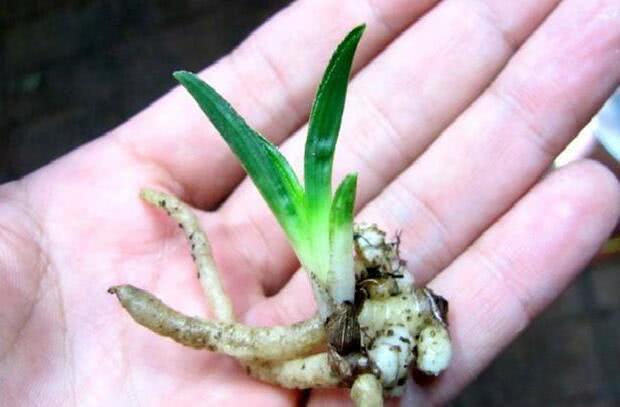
(396, 320)
(237, 340)
(434, 349)
(302, 373)
(200, 248)
(371, 343)
(367, 391)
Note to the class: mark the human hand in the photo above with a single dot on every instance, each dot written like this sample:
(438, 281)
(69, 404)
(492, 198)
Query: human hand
(451, 128)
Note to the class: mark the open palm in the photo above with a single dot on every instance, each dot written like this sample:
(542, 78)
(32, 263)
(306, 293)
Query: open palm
(451, 123)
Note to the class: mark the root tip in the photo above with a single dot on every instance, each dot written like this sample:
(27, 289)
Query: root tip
(121, 290)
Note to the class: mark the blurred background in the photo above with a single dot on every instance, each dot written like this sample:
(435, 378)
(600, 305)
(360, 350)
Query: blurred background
(71, 70)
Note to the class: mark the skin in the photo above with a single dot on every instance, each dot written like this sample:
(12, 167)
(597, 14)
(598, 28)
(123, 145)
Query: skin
(468, 207)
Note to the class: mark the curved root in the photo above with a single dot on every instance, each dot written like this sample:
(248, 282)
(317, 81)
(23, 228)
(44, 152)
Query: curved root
(392, 318)
(302, 373)
(237, 340)
(201, 250)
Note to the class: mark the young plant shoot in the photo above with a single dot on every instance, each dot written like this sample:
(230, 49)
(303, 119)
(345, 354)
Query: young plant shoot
(372, 324)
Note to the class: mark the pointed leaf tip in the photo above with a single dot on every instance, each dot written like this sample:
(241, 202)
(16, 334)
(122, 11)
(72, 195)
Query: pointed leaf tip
(326, 118)
(323, 129)
(182, 76)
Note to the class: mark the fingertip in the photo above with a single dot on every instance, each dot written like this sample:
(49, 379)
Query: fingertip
(595, 194)
(606, 181)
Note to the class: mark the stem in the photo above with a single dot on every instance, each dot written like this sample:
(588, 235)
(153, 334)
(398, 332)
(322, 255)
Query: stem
(341, 274)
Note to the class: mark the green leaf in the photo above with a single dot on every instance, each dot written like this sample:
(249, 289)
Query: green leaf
(341, 213)
(320, 230)
(271, 173)
(325, 120)
(341, 278)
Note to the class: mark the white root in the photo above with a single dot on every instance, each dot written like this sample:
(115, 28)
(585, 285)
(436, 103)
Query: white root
(237, 340)
(302, 373)
(397, 321)
(200, 249)
(434, 349)
(245, 343)
(397, 324)
(409, 310)
(367, 391)
(392, 353)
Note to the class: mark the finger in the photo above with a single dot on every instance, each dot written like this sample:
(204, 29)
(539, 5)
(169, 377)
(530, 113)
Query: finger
(270, 79)
(386, 126)
(501, 145)
(521, 264)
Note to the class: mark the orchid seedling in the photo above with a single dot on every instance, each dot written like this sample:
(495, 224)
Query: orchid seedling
(372, 324)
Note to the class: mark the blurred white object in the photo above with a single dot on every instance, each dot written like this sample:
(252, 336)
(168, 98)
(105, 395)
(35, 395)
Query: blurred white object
(602, 131)
(607, 125)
